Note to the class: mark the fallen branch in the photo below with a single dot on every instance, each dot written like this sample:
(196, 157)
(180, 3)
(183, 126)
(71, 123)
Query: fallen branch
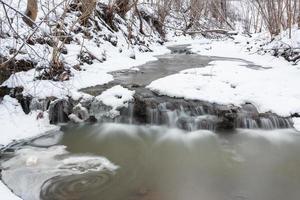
(295, 59)
(219, 31)
(92, 55)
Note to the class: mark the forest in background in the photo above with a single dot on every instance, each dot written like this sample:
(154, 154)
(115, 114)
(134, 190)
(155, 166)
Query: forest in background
(26, 26)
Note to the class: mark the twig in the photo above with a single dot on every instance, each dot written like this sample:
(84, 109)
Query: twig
(3, 3)
(3, 65)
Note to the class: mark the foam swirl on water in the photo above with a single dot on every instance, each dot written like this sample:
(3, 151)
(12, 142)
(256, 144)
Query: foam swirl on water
(80, 186)
(58, 173)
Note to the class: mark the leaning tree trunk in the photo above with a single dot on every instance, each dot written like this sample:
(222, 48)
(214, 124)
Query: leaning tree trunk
(299, 14)
(31, 12)
(123, 7)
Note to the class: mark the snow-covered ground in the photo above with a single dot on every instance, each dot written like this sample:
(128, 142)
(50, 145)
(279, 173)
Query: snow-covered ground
(6, 194)
(15, 124)
(90, 75)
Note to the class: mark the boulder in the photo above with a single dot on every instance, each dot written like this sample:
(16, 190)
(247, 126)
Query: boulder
(59, 111)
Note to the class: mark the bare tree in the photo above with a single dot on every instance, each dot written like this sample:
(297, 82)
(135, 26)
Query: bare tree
(31, 12)
(278, 15)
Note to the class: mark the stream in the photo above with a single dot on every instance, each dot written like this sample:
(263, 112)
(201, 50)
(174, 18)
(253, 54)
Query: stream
(161, 148)
(156, 163)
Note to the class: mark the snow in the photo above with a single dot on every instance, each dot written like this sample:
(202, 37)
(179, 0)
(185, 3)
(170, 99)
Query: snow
(6, 193)
(112, 50)
(116, 97)
(235, 82)
(236, 49)
(91, 75)
(296, 123)
(15, 124)
(283, 40)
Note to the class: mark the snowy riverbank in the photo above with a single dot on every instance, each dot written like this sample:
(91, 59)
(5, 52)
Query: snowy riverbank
(270, 83)
(21, 125)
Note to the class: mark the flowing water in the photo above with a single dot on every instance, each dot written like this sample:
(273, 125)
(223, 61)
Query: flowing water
(128, 162)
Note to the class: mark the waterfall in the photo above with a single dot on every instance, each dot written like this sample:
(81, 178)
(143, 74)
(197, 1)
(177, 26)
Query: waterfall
(149, 108)
(193, 116)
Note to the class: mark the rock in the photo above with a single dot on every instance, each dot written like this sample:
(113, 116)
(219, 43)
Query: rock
(99, 110)
(40, 104)
(132, 55)
(86, 57)
(227, 118)
(77, 67)
(14, 66)
(75, 119)
(25, 103)
(40, 115)
(250, 108)
(65, 76)
(92, 119)
(59, 111)
(81, 112)
(4, 91)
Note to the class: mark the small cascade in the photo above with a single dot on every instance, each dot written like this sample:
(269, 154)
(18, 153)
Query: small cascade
(275, 122)
(196, 115)
(185, 117)
(249, 118)
(246, 122)
(268, 123)
(149, 108)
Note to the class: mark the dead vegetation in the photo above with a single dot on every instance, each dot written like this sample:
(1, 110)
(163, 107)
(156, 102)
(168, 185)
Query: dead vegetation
(205, 17)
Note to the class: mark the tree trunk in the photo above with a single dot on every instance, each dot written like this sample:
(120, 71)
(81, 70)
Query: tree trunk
(31, 12)
(299, 14)
(123, 7)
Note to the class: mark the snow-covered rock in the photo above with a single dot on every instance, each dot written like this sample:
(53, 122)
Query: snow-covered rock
(296, 123)
(116, 97)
